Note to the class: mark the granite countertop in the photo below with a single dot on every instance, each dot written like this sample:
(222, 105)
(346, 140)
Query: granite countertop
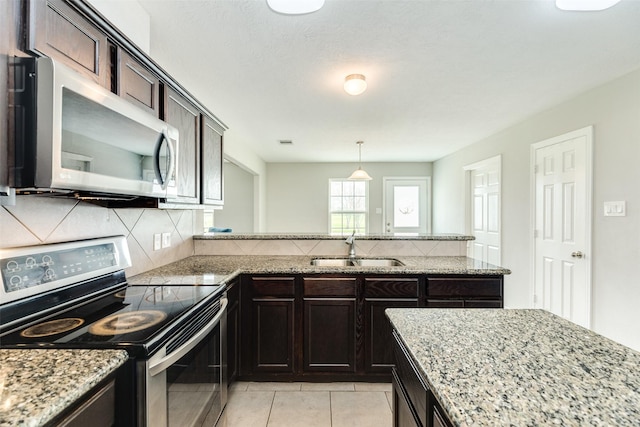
(521, 367)
(219, 269)
(38, 385)
(315, 236)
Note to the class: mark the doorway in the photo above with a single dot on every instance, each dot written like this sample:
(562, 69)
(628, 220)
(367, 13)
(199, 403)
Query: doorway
(484, 201)
(561, 169)
(407, 205)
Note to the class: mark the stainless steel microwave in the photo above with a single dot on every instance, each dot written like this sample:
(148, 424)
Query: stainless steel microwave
(74, 136)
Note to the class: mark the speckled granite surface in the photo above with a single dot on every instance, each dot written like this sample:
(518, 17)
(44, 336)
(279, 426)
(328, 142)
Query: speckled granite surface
(212, 269)
(284, 236)
(37, 385)
(521, 368)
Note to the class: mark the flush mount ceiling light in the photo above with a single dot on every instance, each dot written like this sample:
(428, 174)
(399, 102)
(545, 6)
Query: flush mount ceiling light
(355, 84)
(295, 7)
(585, 5)
(360, 174)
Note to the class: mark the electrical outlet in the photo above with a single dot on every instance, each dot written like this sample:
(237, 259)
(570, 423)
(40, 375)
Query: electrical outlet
(157, 241)
(166, 240)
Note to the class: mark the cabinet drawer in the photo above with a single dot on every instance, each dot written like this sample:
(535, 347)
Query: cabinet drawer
(329, 286)
(483, 304)
(463, 287)
(273, 286)
(416, 389)
(445, 303)
(390, 288)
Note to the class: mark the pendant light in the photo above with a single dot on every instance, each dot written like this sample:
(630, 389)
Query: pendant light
(360, 174)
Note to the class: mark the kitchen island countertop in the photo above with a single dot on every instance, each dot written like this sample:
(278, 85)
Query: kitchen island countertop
(217, 269)
(520, 367)
(38, 385)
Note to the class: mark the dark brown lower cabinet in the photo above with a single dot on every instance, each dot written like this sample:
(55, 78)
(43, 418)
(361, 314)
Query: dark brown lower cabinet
(329, 335)
(381, 293)
(413, 402)
(272, 314)
(96, 409)
(332, 327)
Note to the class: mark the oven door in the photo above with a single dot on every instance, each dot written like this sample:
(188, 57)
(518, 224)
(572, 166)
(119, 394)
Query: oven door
(185, 382)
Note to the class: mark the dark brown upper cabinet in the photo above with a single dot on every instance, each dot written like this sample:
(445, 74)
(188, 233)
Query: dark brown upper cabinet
(58, 31)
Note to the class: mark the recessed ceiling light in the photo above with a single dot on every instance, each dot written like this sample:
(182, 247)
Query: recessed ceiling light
(295, 7)
(585, 5)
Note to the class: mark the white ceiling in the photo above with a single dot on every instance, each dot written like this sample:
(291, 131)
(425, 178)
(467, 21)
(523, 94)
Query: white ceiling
(442, 74)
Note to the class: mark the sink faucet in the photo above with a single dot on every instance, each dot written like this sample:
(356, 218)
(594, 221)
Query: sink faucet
(351, 241)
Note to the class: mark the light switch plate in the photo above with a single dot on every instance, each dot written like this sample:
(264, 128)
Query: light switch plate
(615, 208)
(157, 241)
(166, 240)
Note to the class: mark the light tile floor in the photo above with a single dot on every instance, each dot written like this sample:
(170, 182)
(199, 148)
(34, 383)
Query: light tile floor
(273, 404)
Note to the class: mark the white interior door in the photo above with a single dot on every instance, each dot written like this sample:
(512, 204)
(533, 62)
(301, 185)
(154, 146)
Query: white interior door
(562, 176)
(484, 210)
(406, 202)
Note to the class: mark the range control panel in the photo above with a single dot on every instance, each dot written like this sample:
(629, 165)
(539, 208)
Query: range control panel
(46, 267)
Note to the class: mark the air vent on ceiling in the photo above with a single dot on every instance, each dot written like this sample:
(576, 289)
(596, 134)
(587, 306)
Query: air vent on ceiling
(286, 142)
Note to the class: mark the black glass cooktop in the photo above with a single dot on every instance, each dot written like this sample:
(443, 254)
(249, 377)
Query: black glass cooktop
(136, 318)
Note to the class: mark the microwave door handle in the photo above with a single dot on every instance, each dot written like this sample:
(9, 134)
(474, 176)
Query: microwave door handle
(185, 348)
(164, 181)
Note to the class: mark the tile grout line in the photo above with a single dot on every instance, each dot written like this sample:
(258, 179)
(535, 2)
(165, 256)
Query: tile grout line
(273, 399)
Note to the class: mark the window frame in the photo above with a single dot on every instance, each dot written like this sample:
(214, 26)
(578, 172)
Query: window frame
(330, 211)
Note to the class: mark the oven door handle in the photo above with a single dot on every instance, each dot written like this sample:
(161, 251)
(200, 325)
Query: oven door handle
(185, 348)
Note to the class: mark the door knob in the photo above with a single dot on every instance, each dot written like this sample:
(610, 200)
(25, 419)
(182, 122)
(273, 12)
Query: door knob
(577, 254)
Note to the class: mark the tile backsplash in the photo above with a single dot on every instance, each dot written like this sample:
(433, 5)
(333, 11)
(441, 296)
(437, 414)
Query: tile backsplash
(36, 220)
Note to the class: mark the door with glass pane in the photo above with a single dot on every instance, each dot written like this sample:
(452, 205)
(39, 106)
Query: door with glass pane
(407, 206)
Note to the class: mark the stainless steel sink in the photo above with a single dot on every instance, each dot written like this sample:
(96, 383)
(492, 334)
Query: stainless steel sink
(378, 262)
(331, 262)
(356, 262)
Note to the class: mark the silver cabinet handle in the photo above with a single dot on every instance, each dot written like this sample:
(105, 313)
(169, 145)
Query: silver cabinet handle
(185, 348)
(577, 254)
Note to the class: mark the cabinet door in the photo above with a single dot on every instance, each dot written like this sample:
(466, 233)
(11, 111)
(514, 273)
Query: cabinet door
(378, 337)
(137, 84)
(58, 31)
(184, 116)
(272, 332)
(403, 411)
(329, 328)
(212, 162)
(380, 294)
(273, 326)
(329, 335)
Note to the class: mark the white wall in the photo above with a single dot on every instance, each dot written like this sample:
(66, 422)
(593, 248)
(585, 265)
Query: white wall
(238, 210)
(129, 17)
(298, 193)
(614, 111)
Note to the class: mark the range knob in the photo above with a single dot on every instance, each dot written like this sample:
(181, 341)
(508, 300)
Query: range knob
(14, 283)
(49, 275)
(30, 262)
(46, 260)
(13, 266)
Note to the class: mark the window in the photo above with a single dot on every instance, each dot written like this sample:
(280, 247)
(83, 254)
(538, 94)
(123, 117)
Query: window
(348, 207)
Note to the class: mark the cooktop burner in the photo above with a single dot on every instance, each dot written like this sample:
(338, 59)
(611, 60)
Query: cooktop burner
(52, 327)
(123, 323)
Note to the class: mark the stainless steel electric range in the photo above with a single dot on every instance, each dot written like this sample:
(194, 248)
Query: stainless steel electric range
(75, 295)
